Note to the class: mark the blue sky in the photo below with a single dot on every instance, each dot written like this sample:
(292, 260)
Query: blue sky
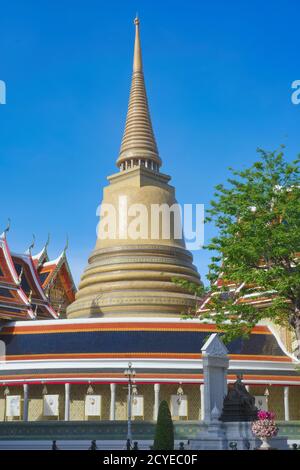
(218, 76)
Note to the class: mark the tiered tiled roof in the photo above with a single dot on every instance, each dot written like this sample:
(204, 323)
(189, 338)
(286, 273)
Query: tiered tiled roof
(25, 281)
(50, 270)
(254, 296)
(31, 285)
(14, 303)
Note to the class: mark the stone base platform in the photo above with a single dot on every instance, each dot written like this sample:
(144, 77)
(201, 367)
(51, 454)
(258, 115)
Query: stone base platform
(229, 435)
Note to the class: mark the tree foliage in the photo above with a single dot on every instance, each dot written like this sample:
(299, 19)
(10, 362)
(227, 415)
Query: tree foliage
(199, 290)
(257, 248)
(164, 431)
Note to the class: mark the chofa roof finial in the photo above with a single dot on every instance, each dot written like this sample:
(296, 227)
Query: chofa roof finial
(6, 230)
(28, 252)
(66, 245)
(47, 242)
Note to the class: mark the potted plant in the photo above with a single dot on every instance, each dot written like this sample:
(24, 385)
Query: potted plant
(265, 428)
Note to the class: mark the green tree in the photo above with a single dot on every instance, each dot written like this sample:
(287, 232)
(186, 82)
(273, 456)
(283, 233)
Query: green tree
(199, 290)
(164, 431)
(257, 248)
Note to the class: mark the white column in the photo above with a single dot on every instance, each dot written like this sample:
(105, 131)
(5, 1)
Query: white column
(67, 402)
(202, 402)
(156, 401)
(25, 402)
(286, 403)
(112, 413)
(215, 364)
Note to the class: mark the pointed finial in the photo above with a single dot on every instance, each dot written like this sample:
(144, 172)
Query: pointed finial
(28, 252)
(6, 230)
(43, 253)
(47, 242)
(138, 145)
(137, 58)
(66, 245)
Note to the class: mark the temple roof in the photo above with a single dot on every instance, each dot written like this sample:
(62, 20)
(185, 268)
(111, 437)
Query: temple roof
(166, 350)
(254, 296)
(31, 285)
(14, 304)
(25, 281)
(138, 140)
(59, 267)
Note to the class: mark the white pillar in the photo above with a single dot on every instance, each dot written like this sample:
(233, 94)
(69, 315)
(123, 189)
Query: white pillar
(112, 414)
(67, 402)
(156, 401)
(215, 364)
(286, 403)
(202, 402)
(25, 402)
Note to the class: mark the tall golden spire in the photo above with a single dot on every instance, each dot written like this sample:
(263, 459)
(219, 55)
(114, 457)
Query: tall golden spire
(129, 273)
(138, 146)
(137, 56)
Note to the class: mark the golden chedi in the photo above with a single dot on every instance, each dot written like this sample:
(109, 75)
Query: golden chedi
(130, 271)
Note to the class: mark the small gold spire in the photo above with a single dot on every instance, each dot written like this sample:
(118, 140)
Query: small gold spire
(138, 141)
(137, 58)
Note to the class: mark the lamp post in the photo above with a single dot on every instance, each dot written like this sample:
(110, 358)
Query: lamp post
(130, 374)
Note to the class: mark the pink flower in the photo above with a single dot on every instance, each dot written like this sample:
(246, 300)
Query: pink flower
(265, 415)
(265, 426)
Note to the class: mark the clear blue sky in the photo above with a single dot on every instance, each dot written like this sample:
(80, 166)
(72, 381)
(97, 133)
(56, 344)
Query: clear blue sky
(218, 77)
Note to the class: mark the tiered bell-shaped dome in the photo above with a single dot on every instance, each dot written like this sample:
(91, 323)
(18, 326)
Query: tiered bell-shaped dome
(126, 275)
